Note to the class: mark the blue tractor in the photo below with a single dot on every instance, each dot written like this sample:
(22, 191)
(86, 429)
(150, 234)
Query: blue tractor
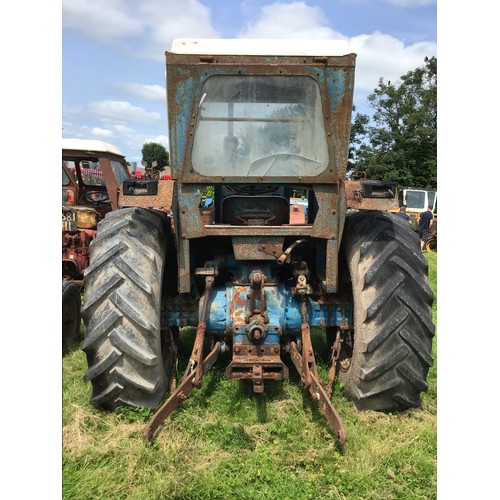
(251, 123)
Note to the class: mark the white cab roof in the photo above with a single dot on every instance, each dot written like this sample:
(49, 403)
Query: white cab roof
(90, 145)
(267, 47)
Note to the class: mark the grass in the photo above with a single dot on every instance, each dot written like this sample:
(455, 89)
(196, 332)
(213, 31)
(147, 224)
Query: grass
(225, 442)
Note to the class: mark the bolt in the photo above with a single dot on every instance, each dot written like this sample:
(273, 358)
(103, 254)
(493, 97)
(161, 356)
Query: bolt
(345, 364)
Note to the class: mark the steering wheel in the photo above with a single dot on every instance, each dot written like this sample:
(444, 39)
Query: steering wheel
(95, 198)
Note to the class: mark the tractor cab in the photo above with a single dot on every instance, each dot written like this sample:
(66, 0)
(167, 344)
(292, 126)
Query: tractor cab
(92, 172)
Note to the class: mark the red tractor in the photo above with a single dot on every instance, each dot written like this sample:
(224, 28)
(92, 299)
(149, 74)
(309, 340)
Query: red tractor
(91, 172)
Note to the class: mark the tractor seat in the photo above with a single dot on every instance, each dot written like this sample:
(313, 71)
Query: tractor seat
(263, 210)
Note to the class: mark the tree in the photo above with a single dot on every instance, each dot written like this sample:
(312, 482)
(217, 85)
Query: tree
(401, 146)
(358, 132)
(152, 151)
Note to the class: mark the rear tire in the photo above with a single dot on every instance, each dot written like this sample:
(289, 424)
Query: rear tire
(71, 313)
(393, 329)
(122, 312)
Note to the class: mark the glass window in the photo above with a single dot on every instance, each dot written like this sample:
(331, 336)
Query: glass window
(65, 178)
(432, 197)
(260, 125)
(415, 199)
(91, 173)
(120, 171)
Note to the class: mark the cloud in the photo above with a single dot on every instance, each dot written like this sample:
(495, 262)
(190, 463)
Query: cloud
(69, 109)
(380, 55)
(399, 3)
(123, 111)
(173, 19)
(410, 3)
(160, 139)
(101, 132)
(145, 29)
(102, 21)
(155, 93)
(290, 20)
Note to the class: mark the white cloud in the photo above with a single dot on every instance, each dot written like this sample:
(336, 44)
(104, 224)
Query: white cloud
(69, 109)
(290, 20)
(160, 139)
(101, 132)
(144, 28)
(102, 21)
(380, 55)
(411, 3)
(123, 111)
(154, 93)
(173, 19)
(399, 3)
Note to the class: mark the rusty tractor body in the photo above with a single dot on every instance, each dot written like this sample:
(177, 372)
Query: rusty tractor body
(92, 170)
(248, 271)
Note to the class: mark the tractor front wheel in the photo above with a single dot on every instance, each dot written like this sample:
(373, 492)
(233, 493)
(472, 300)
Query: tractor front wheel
(393, 329)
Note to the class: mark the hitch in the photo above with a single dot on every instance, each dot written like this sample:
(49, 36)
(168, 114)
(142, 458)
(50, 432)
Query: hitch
(305, 362)
(196, 368)
(258, 361)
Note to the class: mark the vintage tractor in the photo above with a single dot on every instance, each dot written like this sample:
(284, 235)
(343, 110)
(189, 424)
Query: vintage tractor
(89, 167)
(253, 122)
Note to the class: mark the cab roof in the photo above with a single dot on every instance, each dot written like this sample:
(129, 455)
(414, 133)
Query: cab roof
(270, 47)
(90, 145)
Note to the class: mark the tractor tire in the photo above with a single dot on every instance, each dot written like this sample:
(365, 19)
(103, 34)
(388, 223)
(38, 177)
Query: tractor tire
(71, 313)
(122, 311)
(393, 329)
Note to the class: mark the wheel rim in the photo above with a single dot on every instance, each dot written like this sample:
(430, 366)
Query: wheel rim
(431, 245)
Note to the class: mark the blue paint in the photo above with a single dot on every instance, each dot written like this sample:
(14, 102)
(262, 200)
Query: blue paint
(283, 311)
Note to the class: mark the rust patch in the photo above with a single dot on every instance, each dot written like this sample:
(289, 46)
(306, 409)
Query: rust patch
(356, 200)
(162, 200)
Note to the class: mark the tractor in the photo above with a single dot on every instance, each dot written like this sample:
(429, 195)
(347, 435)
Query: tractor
(251, 122)
(89, 167)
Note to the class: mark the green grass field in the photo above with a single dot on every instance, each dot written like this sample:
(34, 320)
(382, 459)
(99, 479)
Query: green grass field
(225, 442)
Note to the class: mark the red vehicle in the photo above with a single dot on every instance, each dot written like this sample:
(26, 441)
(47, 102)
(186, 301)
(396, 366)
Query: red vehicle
(92, 172)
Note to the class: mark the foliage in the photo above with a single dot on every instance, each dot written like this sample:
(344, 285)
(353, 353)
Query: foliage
(358, 131)
(152, 151)
(227, 442)
(399, 142)
(209, 192)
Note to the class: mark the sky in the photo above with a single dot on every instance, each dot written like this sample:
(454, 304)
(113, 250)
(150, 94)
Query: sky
(113, 52)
